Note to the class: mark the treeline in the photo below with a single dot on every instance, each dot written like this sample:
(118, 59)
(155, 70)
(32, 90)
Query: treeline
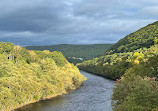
(76, 53)
(134, 69)
(28, 76)
(115, 65)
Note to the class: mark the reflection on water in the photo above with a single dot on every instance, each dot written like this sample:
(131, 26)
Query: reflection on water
(94, 95)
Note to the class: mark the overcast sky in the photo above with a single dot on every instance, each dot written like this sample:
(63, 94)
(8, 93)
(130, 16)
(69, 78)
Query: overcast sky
(47, 22)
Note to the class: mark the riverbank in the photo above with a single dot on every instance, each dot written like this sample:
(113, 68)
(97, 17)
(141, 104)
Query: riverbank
(97, 74)
(47, 98)
(94, 95)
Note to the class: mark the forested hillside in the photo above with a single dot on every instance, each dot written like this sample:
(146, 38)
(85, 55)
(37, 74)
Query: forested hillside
(143, 38)
(119, 60)
(133, 63)
(29, 76)
(76, 53)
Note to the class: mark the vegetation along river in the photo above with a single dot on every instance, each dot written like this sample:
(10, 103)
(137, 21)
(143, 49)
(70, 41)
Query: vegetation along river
(94, 95)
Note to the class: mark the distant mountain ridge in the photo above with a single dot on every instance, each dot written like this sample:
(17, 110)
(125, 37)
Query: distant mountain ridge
(75, 53)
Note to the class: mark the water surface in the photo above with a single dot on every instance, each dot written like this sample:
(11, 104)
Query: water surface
(94, 95)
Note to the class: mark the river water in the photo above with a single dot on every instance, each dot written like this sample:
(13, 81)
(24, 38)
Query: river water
(94, 95)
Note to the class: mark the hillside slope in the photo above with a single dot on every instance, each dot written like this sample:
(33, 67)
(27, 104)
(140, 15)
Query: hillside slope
(76, 53)
(143, 38)
(30, 76)
(116, 60)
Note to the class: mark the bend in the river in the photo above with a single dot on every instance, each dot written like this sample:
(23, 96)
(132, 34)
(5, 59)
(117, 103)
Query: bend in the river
(94, 95)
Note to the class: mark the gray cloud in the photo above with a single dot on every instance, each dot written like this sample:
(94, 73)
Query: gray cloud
(45, 22)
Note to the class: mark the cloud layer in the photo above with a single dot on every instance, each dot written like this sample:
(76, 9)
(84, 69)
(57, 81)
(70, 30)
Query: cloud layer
(47, 22)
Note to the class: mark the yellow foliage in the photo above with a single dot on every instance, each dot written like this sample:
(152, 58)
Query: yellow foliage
(23, 83)
(136, 61)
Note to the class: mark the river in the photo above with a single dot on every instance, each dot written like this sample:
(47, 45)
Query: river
(94, 95)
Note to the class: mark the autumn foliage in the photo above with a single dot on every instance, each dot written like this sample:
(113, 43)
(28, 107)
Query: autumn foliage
(30, 76)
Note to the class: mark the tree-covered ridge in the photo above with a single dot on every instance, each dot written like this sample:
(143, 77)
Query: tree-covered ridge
(136, 75)
(75, 53)
(143, 38)
(28, 76)
(135, 70)
(115, 61)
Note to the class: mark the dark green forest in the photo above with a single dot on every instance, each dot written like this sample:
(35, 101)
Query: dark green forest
(133, 64)
(75, 53)
(28, 76)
